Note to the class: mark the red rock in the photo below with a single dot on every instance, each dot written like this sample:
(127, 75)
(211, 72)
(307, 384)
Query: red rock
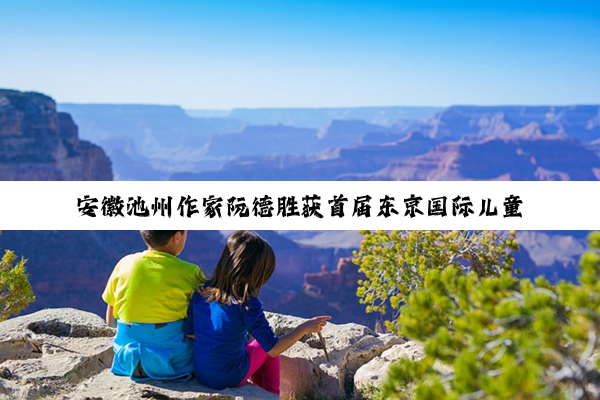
(525, 156)
(39, 143)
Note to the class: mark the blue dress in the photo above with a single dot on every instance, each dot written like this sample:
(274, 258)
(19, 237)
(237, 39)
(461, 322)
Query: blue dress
(164, 352)
(220, 358)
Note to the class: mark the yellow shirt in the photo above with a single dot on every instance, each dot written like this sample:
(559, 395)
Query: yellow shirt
(151, 287)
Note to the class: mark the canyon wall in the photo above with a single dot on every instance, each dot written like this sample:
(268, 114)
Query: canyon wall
(39, 143)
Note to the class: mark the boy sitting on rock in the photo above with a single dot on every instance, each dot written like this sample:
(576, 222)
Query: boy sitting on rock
(148, 293)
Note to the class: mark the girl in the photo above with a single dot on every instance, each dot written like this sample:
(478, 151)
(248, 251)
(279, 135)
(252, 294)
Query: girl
(226, 308)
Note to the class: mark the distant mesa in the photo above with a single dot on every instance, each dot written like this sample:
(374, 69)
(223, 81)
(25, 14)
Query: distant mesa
(325, 165)
(265, 140)
(581, 122)
(317, 118)
(153, 128)
(39, 143)
(344, 133)
(524, 156)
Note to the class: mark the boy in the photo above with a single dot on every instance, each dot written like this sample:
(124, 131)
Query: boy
(148, 293)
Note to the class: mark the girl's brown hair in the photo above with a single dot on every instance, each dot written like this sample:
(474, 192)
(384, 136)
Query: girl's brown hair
(246, 264)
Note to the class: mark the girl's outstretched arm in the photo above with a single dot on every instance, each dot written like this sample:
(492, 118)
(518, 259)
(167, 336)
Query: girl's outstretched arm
(315, 324)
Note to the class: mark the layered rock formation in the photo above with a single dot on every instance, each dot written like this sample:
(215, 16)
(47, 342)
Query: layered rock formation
(327, 165)
(158, 142)
(67, 353)
(343, 277)
(39, 143)
(331, 292)
(346, 133)
(522, 157)
(153, 129)
(580, 122)
(151, 142)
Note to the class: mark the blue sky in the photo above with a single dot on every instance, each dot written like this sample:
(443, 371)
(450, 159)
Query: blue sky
(224, 54)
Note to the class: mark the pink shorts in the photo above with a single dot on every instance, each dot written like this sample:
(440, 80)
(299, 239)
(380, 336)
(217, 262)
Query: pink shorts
(263, 370)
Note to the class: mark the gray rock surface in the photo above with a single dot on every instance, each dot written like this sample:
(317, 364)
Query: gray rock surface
(375, 371)
(51, 351)
(108, 386)
(305, 369)
(66, 354)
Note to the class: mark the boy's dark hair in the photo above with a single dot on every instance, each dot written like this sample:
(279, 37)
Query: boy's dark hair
(157, 238)
(246, 264)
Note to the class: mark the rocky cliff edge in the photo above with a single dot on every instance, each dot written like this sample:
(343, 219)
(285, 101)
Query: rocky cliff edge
(66, 354)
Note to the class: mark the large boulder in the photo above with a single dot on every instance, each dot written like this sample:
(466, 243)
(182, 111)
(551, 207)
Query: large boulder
(66, 354)
(52, 350)
(374, 373)
(305, 371)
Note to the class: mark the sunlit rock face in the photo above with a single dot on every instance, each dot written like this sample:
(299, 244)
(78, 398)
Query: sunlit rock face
(39, 143)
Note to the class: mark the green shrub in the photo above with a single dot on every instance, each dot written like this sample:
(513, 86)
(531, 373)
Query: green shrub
(15, 290)
(395, 263)
(505, 338)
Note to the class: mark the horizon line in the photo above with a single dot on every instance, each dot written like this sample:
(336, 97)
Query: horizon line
(229, 109)
(325, 107)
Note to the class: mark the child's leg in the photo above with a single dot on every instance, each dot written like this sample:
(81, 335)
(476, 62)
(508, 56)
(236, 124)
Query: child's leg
(267, 376)
(263, 369)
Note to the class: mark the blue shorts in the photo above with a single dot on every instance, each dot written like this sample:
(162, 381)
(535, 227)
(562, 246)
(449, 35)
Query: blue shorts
(162, 349)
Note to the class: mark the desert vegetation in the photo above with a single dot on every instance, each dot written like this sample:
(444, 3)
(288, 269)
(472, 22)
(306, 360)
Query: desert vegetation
(15, 290)
(499, 336)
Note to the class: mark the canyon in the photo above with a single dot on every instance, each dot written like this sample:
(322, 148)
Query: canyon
(516, 158)
(39, 143)
(71, 268)
(458, 143)
(153, 142)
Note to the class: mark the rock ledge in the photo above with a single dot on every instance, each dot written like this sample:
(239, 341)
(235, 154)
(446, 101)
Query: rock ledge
(66, 354)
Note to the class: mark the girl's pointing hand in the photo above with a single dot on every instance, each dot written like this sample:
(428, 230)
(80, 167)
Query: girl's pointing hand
(315, 324)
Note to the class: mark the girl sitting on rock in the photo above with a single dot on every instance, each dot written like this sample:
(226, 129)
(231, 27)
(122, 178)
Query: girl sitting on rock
(224, 310)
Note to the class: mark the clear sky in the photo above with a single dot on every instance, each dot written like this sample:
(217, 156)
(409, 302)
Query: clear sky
(228, 53)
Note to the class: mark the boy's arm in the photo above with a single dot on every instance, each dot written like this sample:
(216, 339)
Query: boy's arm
(109, 297)
(188, 325)
(110, 318)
